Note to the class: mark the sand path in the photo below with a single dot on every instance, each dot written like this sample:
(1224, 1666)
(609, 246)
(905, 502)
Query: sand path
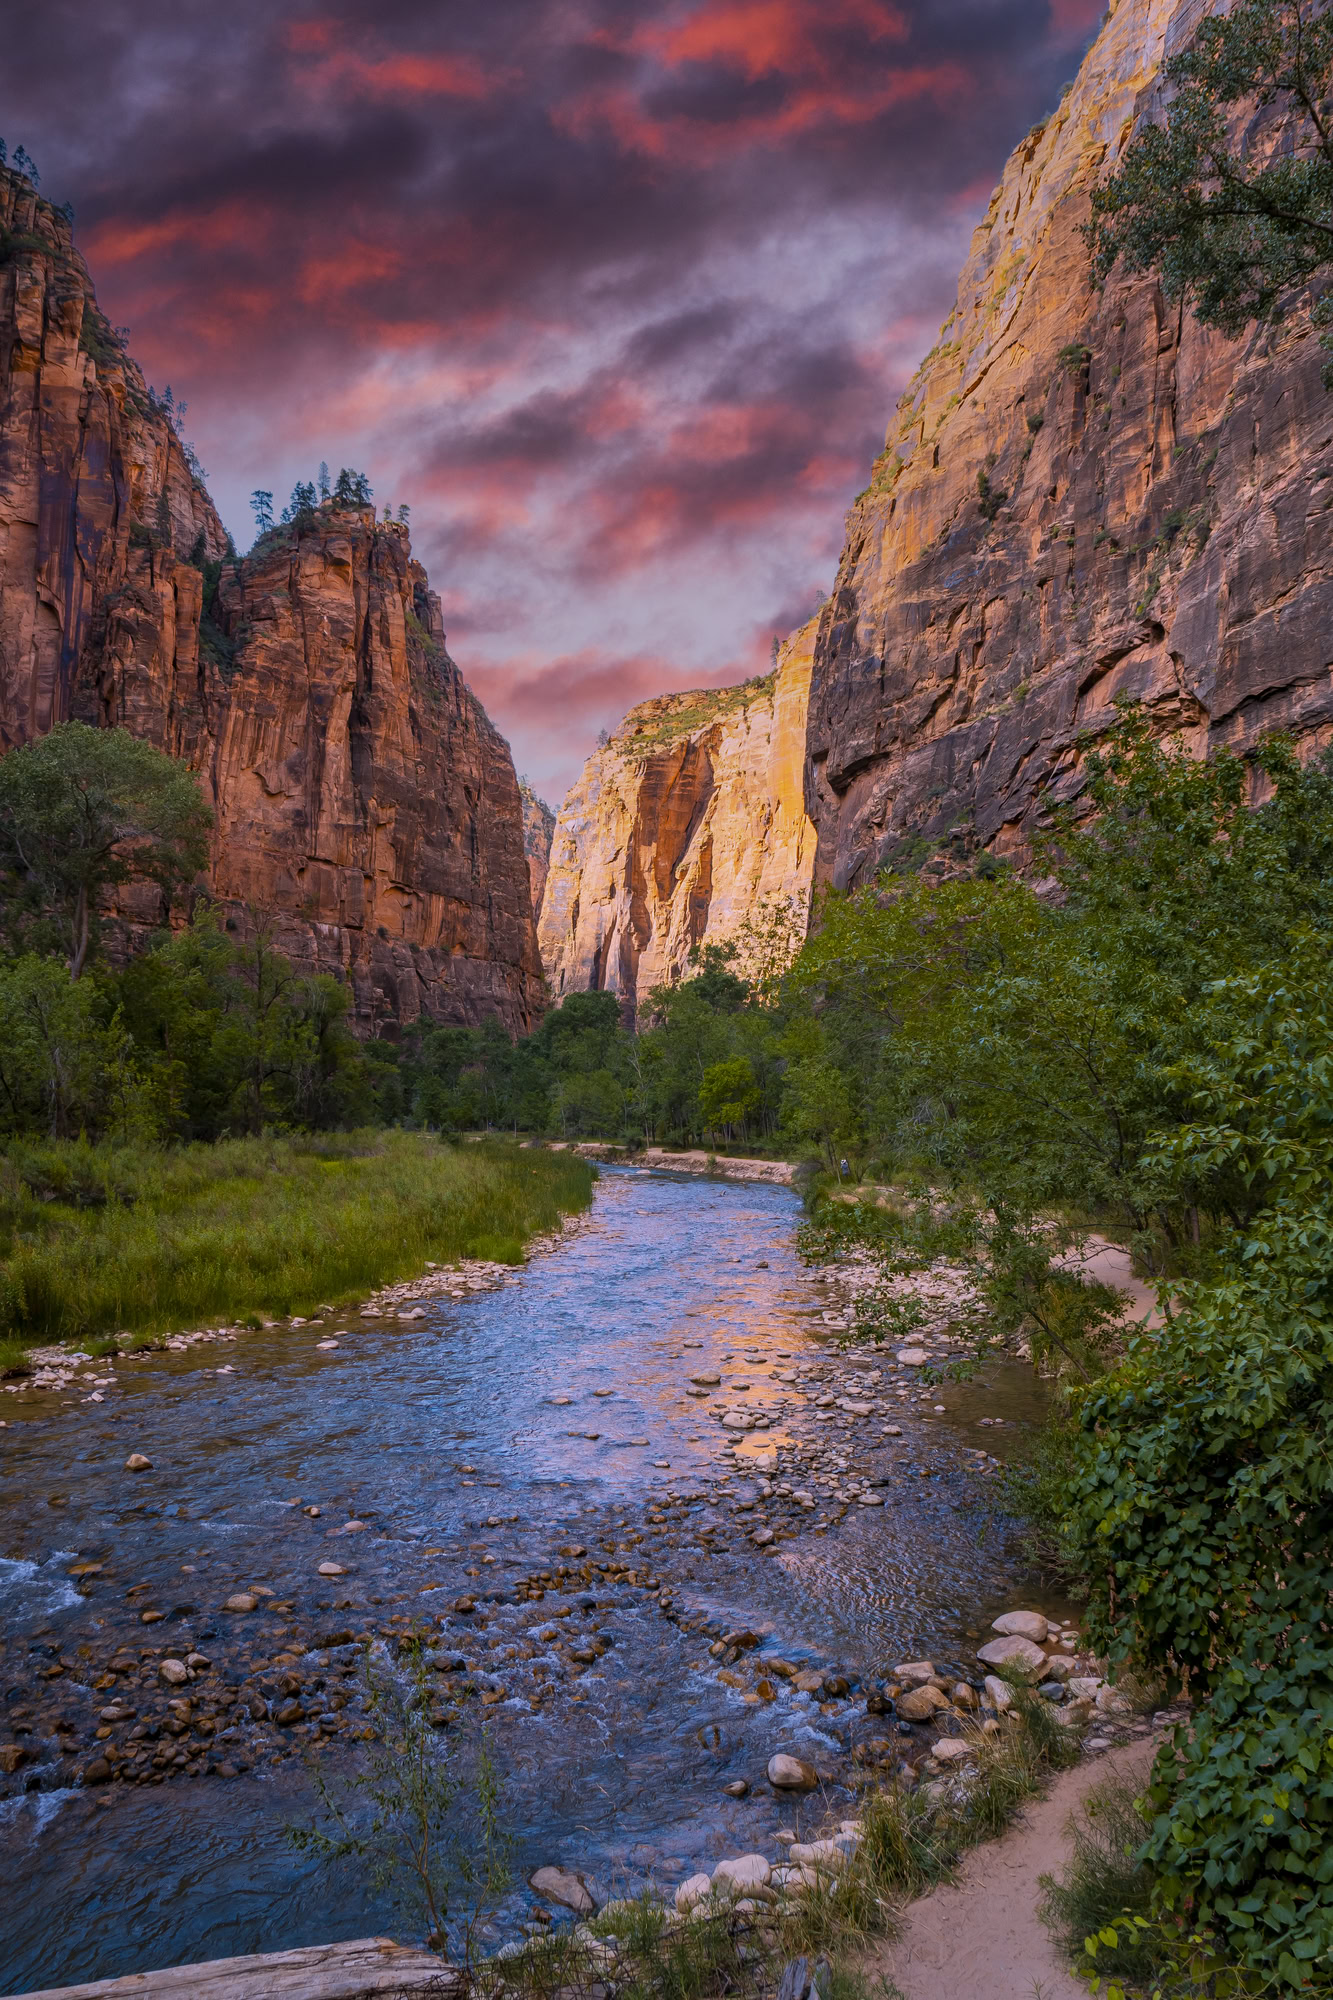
(979, 1937)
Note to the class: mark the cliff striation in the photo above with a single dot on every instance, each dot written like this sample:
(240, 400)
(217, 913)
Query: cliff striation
(366, 810)
(678, 830)
(1151, 521)
(538, 829)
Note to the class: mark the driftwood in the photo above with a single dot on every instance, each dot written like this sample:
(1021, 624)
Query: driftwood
(364, 1969)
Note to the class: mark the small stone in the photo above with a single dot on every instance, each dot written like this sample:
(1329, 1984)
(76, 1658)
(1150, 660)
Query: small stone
(97, 1772)
(241, 1600)
(331, 1569)
(762, 1537)
(1017, 1653)
(870, 1499)
(174, 1672)
(913, 1357)
(963, 1696)
(791, 1774)
(706, 1381)
(1026, 1624)
(1058, 1668)
(136, 1462)
(738, 1789)
(151, 1617)
(11, 1756)
(697, 1889)
(953, 1750)
(744, 1872)
(998, 1693)
(919, 1704)
(561, 1885)
(915, 1672)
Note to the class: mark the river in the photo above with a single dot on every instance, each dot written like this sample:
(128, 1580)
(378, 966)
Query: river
(534, 1449)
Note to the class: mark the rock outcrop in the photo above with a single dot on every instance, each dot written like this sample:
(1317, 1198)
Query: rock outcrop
(538, 829)
(680, 829)
(366, 810)
(1083, 495)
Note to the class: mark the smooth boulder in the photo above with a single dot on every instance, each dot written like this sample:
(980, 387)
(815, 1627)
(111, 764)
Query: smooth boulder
(791, 1774)
(562, 1885)
(1023, 1625)
(1019, 1654)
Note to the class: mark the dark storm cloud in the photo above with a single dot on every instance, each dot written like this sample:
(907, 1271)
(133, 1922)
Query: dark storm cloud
(619, 296)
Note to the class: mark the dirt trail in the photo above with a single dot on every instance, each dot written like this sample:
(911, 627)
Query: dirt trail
(979, 1937)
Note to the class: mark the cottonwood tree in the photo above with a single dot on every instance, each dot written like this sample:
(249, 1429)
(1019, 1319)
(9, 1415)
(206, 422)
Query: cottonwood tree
(1233, 212)
(82, 811)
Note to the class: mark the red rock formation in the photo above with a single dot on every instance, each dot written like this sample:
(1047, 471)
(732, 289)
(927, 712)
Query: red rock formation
(1160, 524)
(365, 807)
(683, 826)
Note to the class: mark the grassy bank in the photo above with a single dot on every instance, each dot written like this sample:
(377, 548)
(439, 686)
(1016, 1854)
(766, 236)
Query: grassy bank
(98, 1242)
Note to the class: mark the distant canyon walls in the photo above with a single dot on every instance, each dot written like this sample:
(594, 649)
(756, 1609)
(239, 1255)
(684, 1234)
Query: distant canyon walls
(680, 828)
(1153, 521)
(366, 809)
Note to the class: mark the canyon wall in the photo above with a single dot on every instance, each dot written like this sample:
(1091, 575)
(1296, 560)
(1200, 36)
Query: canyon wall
(680, 828)
(1154, 521)
(365, 809)
(538, 831)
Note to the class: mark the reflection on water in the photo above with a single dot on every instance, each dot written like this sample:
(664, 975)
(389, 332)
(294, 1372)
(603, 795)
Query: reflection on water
(473, 1445)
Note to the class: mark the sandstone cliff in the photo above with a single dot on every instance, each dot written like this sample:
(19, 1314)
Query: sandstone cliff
(1155, 522)
(538, 829)
(365, 808)
(679, 829)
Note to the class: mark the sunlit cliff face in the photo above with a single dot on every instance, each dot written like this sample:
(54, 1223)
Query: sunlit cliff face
(617, 297)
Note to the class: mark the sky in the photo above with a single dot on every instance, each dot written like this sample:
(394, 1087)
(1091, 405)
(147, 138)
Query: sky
(617, 296)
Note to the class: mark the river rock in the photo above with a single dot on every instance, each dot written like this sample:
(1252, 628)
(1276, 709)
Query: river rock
(697, 1889)
(870, 1499)
(1058, 1668)
(136, 1462)
(998, 1693)
(11, 1756)
(743, 1872)
(1015, 1652)
(1110, 1701)
(825, 1855)
(739, 1788)
(562, 1885)
(1026, 1624)
(762, 1537)
(953, 1750)
(791, 1774)
(706, 1381)
(241, 1600)
(174, 1672)
(920, 1703)
(331, 1569)
(913, 1357)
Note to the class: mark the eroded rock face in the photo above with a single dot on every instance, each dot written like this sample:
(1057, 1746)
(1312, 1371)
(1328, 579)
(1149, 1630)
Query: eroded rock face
(683, 826)
(538, 829)
(1159, 525)
(366, 810)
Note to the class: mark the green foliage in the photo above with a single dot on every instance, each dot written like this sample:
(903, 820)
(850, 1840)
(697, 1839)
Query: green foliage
(83, 811)
(1232, 210)
(420, 1828)
(990, 498)
(729, 1094)
(136, 1240)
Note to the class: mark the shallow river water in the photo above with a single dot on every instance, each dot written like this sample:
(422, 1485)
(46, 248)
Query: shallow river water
(533, 1450)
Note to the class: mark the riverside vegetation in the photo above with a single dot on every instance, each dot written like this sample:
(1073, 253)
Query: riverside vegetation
(1150, 1029)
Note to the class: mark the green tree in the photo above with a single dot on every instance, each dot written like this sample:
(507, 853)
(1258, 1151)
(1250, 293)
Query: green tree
(1232, 211)
(261, 505)
(729, 1095)
(83, 811)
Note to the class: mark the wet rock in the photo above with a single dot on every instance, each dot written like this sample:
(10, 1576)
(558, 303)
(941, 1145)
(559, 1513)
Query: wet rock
(913, 1673)
(11, 1756)
(963, 1696)
(331, 1569)
(241, 1600)
(737, 1789)
(920, 1703)
(913, 1357)
(1018, 1654)
(762, 1537)
(563, 1886)
(136, 1462)
(1026, 1624)
(97, 1772)
(174, 1672)
(810, 1680)
(791, 1774)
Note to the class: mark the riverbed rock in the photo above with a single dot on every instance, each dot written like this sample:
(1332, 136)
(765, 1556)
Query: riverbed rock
(920, 1703)
(174, 1672)
(743, 1874)
(1017, 1653)
(11, 1756)
(737, 1789)
(1026, 1624)
(562, 1885)
(825, 1855)
(914, 1673)
(136, 1462)
(241, 1600)
(696, 1889)
(331, 1569)
(791, 1774)
(953, 1750)
(913, 1357)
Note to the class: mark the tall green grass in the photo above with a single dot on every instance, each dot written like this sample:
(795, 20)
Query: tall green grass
(101, 1242)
